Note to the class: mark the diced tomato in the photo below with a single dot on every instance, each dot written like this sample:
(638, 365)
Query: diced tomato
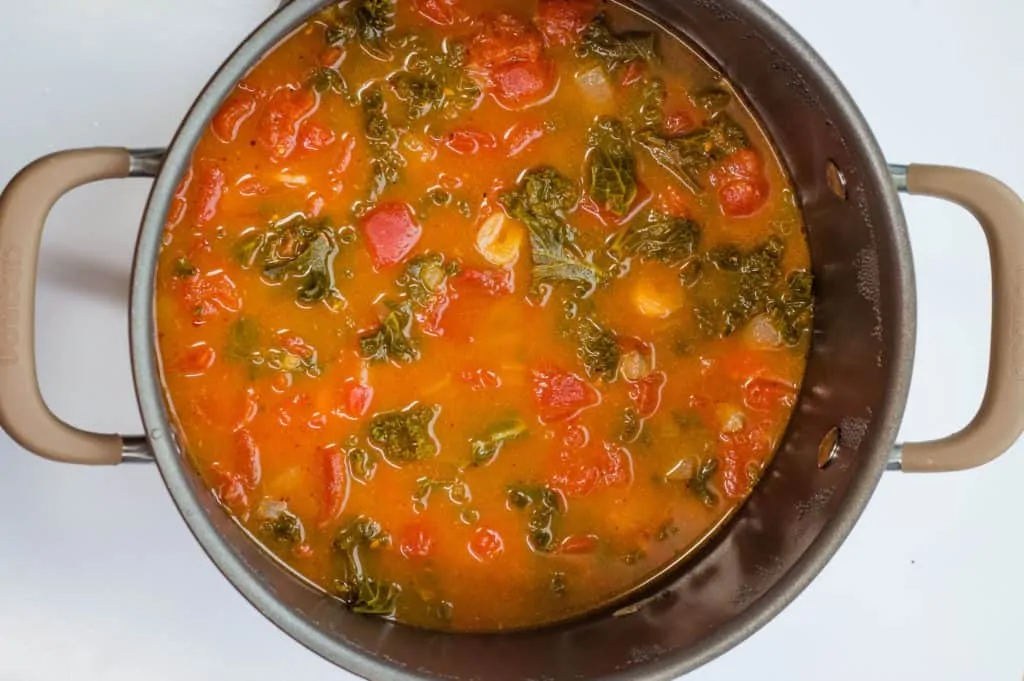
(521, 135)
(230, 490)
(503, 39)
(561, 395)
(742, 198)
(358, 397)
(248, 458)
(743, 365)
(768, 394)
(742, 185)
(480, 379)
(672, 201)
(278, 129)
(519, 84)
(562, 21)
(298, 347)
(440, 12)
(647, 393)
(578, 543)
(495, 282)
(415, 542)
(469, 141)
(485, 544)
(210, 182)
(582, 472)
(633, 73)
(197, 360)
(576, 436)
(233, 112)
(315, 136)
(738, 452)
(681, 122)
(335, 483)
(391, 233)
(204, 295)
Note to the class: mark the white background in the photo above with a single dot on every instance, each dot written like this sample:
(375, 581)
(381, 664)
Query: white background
(100, 579)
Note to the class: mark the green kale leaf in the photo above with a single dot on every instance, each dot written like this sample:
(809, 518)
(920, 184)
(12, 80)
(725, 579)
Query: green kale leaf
(611, 167)
(485, 448)
(615, 49)
(392, 341)
(689, 157)
(599, 349)
(387, 163)
(405, 436)
(544, 506)
(669, 240)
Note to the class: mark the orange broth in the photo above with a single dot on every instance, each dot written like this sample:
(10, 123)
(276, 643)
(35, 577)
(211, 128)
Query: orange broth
(406, 394)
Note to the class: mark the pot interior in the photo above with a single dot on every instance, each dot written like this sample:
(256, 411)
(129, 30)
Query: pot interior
(856, 381)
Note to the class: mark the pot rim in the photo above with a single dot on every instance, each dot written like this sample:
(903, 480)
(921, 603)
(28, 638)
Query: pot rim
(159, 430)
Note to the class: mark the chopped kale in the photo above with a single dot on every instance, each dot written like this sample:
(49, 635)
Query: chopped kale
(541, 201)
(713, 100)
(387, 163)
(353, 547)
(599, 349)
(611, 167)
(392, 341)
(295, 249)
(183, 268)
(362, 464)
(436, 83)
(278, 525)
(754, 284)
(243, 340)
(649, 111)
(615, 49)
(543, 505)
(486, 447)
(631, 427)
(457, 490)
(366, 20)
(689, 157)
(405, 436)
(670, 240)
(425, 279)
(698, 485)
(325, 79)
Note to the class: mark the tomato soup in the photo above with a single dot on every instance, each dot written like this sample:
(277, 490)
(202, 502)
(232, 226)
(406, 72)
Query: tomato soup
(482, 314)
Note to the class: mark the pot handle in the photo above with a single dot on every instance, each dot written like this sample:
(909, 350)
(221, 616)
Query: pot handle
(24, 206)
(1000, 419)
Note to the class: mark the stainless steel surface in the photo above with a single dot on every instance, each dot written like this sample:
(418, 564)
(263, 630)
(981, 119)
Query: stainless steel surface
(135, 449)
(895, 462)
(899, 176)
(145, 162)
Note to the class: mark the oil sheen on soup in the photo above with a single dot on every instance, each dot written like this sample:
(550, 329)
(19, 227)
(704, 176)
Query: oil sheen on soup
(481, 314)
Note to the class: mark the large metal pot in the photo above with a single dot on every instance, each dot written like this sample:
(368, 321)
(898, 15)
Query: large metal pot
(839, 442)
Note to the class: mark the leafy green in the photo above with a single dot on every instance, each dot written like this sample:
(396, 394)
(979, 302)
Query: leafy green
(392, 341)
(754, 285)
(279, 526)
(295, 249)
(362, 464)
(436, 83)
(611, 167)
(615, 49)
(359, 591)
(792, 311)
(325, 79)
(541, 201)
(671, 240)
(183, 268)
(666, 530)
(366, 20)
(382, 138)
(698, 485)
(405, 436)
(457, 490)
(486, 447)
(425, 279)
(599, 349)
(713, 100)
(689, 157)
(632, 425)
(544, 506)
(243, 340)
(648, 111)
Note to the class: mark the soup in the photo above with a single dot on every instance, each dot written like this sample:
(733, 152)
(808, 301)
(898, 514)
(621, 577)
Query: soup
(482, 315)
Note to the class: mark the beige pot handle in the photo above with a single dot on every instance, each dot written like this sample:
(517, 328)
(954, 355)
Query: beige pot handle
(24, 206)
(1000, 419)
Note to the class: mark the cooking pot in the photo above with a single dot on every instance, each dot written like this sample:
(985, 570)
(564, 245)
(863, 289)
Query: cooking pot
(840, 440)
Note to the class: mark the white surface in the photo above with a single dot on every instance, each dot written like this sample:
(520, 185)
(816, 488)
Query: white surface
(100, 579)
